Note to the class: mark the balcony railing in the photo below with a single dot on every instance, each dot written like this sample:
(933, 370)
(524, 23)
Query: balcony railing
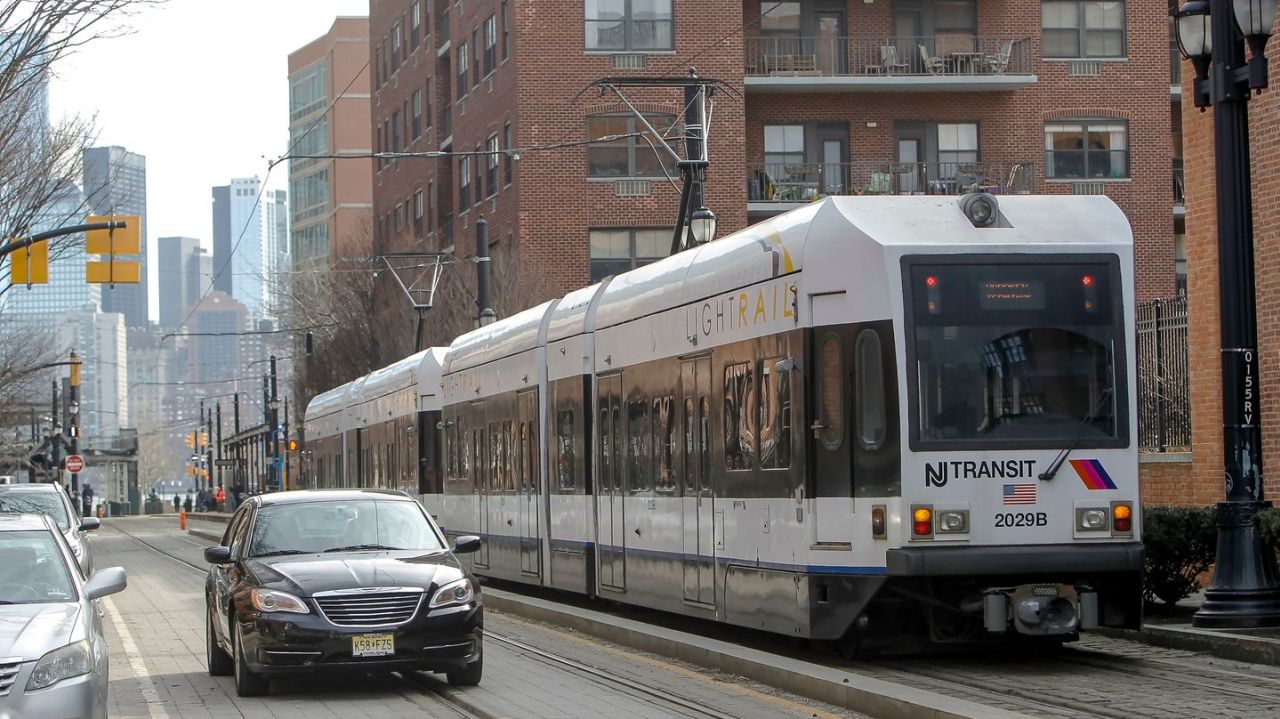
(939, 55)
(787, 182)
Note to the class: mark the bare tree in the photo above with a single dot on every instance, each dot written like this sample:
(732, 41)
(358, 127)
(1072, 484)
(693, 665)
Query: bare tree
(40, 164)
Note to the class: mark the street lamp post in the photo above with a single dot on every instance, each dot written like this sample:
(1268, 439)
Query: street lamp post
(1244, 591)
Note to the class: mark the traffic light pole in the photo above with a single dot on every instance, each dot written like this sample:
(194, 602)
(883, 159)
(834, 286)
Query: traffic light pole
(218, 465)
(73, 417)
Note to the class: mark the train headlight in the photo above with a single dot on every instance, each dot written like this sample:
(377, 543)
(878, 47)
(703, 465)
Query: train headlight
(953, 521)
(921, 521)
(1091, 520)
(981, 208)
(1121, 518)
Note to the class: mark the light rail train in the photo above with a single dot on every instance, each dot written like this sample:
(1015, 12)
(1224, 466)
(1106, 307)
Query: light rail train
(866, 420)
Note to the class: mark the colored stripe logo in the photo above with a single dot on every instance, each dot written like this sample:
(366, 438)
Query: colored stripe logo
(1092, 474)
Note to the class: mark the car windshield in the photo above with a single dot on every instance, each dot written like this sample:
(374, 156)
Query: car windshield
(32, 570)
(328, 526)
(27, 502)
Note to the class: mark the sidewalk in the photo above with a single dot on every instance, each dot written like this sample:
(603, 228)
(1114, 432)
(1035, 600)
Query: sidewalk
(1172, 628)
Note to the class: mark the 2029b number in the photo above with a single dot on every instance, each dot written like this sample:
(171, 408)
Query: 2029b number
(1022, 519)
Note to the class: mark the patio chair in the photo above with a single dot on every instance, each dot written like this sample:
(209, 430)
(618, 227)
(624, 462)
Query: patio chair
(996, 64)
(935, 65)
(889, 59)
(879, 183)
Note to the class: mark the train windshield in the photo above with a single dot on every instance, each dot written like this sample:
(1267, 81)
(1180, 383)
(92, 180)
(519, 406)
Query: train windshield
(1017, 354)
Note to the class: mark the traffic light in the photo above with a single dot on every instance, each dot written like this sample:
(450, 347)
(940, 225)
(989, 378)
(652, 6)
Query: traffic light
(293, 445)
(112, 244)
(30, 264)
(204, 438)
(191, 440)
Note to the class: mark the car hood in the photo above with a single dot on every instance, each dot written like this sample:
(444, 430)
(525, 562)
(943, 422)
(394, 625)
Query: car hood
(310, 573)
(30, 630)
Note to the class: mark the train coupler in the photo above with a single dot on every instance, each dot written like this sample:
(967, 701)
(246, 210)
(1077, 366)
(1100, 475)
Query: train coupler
(1040, 609)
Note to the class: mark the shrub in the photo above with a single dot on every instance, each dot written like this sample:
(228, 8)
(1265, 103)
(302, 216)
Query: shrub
(1269, 527)
(1180, 543)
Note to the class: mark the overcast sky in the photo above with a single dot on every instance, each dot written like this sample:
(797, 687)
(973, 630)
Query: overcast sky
(200, 88)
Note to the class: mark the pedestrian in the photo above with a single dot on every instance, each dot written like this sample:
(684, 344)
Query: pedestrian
(187, 504)
(236, 494)
(177, 503)
(87, 498)
(220, 499)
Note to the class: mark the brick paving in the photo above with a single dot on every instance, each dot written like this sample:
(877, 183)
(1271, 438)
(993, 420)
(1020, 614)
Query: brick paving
(156, 633)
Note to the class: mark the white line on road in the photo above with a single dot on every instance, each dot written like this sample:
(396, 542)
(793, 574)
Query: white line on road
(146, 685)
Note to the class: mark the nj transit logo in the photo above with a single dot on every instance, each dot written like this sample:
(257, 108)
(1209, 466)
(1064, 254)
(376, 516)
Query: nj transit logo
(1092, 474)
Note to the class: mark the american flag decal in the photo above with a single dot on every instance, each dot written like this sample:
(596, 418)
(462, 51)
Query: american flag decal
(1020, 493)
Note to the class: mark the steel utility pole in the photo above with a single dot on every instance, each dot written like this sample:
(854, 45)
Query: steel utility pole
(275, 429)
(485, 313)
(73, 417)
(218, 410)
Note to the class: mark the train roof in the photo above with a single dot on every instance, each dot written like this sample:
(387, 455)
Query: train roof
(394, 377)
(328, 402)
(778, 246)
(517, 333)
(572, 314)
(430, 370)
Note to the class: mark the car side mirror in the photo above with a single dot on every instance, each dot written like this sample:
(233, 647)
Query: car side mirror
(785, 365)
(466, 545)
(89, 524)
(217, 555)
(106, 581)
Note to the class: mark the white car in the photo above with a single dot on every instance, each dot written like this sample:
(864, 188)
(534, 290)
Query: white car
(52, 501)
(53, 652)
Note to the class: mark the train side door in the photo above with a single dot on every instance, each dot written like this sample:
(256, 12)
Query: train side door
(529, 481)
(480, 461)
(698, 502)
(610, 519)
(833, 468)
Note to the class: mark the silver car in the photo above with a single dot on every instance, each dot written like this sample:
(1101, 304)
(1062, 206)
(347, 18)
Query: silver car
(53, 652)
(52, 500)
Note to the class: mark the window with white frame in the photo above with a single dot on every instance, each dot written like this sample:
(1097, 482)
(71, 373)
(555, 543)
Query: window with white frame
(395, 47)
(463, 64)
(1083, 28)
(399, 216)
(418, 210)
(629, 154)
(629, 25)
(957, 144)
(464, 182)
(417, 114)
(1086, 149)
(614, 251)
(415, 24)
(490, 44)
(491, 164)
(783, 148)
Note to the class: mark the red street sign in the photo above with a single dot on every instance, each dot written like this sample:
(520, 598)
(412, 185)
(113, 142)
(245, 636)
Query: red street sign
(75, 464)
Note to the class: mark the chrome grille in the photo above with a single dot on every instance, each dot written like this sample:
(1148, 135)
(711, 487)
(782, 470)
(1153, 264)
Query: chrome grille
(362, 608)
(9, 674)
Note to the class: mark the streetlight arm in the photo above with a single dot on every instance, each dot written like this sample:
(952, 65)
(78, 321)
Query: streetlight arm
(11, 247)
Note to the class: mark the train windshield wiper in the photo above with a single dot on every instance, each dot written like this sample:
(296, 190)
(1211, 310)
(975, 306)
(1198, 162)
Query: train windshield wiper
(1057, 462)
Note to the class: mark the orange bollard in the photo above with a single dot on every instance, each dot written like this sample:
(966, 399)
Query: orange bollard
(182, 521)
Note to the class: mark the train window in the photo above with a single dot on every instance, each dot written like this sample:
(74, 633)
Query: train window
(831, 394)
(775, 416)
(564, 441)
(689, 457)
(639, 446)
(739, 413)
(870, 390)
(664, 438)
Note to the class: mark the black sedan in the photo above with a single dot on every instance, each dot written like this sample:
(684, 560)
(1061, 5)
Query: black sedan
(346, 580)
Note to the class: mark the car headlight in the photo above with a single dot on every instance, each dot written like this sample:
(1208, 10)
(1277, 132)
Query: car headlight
(456, 592)
(62, 663)
(1091, 520)
(269, 600)
(953, 521)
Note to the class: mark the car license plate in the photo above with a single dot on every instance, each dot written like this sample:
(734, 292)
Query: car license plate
(373, 645)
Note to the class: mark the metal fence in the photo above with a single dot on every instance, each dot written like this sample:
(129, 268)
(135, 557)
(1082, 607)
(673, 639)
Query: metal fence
(1164, 391)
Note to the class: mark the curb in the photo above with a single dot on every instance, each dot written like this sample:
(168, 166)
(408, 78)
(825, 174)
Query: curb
(208, 536)
(875, 697)
(1225, 644)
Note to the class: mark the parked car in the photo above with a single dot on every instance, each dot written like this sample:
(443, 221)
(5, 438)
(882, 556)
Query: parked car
(52, 501)
(354, 580)
(53, 653)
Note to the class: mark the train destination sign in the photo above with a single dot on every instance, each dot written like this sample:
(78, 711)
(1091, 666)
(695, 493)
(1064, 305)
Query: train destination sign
(1011, 295)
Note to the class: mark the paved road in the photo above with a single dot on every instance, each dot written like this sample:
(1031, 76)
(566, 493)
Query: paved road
(156, 633)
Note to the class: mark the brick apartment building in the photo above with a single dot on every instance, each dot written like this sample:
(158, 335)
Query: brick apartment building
(828, 97)
(1205, 486)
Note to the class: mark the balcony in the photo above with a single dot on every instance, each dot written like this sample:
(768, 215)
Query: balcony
(875, 63)
(442, 31)
(775, 188)
(1179, 192)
